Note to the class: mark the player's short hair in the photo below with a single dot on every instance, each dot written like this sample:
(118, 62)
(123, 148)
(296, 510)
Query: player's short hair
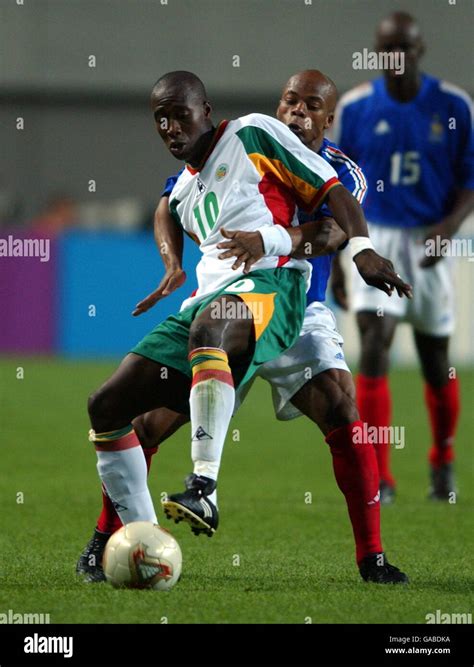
(330, 85)
(182, 79)
(399, 16)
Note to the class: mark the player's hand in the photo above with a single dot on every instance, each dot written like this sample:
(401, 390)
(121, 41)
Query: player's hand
(338, 285)
(379, 272)
(173, 278)
(246, 247)
(443, 230)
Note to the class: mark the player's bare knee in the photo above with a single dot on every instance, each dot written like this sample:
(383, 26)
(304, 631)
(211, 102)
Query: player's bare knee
(434, 358)
(376, 336)
(339, 391)
(203, 333)
(101, 410)
(375, 342)
(343, 409)
(345, 412)
(96, 407)
(93, 403)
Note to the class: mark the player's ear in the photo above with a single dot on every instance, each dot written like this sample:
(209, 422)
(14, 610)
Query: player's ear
(207, 110)
(329, 120)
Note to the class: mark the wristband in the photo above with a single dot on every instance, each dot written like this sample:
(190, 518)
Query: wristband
(359, 243)
(276, 241)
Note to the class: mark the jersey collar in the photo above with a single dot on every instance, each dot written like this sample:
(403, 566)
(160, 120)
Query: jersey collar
(217, 135)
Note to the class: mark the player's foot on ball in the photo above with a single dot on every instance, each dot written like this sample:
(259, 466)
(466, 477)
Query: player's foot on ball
(377, 569)
(387, 493)
(194, 506)
(443, 485)
(89, 565)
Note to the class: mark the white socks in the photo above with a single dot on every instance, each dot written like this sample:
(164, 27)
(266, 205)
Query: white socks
(212, 404)
(122, 468)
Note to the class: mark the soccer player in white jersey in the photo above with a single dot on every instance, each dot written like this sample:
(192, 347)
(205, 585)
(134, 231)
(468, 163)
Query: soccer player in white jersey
(412, 135)
(351, 464)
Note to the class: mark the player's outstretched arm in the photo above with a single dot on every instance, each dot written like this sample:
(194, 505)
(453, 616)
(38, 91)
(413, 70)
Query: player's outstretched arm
(312, 239)
(169, 239)
(316, 238)
(347, 212)
(374, 269)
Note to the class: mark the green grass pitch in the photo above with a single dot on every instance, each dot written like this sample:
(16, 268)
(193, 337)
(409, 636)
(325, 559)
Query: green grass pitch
(275, 559)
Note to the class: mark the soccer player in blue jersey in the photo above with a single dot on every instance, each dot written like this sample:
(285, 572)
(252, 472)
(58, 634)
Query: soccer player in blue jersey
(412, 135)
(312, 377)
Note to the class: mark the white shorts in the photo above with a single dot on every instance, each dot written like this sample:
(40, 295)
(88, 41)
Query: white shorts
(318, 348)
(431, 311)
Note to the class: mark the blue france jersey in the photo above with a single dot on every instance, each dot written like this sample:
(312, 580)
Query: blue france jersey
(351, 176)
(415, 155)
(170, 183)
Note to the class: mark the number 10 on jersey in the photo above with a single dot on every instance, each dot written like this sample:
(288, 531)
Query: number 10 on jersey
(211, 211)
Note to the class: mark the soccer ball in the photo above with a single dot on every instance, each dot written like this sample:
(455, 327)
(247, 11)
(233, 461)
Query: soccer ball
(142, 555)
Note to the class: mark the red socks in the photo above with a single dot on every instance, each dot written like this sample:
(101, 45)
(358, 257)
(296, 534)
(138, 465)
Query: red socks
(109, 520)
(443, 410)
(375, 408)
(149, 453)
(355, 468)
(373, 401)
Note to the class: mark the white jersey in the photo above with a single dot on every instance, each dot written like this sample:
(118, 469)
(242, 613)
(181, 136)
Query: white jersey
(255, 174)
